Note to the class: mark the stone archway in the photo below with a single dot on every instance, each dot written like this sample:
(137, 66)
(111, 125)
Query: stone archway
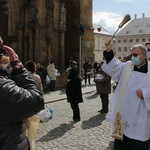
(4, 21)
(8, 21)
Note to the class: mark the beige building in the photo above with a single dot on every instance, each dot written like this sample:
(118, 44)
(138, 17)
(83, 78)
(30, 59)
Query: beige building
(100, 36)
(135, 32)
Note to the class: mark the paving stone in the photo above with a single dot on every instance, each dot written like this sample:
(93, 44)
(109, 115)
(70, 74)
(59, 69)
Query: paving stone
(91, 133)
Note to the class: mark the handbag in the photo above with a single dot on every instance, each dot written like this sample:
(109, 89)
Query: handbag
(88, 73)
(99, 76)
(57, 73)
(46, 114)
(47, 80)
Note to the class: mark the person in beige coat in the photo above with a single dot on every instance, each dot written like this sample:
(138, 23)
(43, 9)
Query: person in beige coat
(51, 73)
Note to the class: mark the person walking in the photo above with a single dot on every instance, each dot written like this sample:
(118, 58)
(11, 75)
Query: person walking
(103, 86)
(31, 67)
(87, 71)
(129, 111)
(68, 63)
(33, 120)
(42, 72)
(51, 73)
(74, 93)
(73, 65)
(95, 67)
(20, 99)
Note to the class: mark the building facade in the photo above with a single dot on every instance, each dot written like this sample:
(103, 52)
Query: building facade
(100, 37)
(44, 30)
(137, 31)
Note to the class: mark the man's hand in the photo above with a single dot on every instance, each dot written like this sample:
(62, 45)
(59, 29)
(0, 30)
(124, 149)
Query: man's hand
(139, 93)
(10, 52)
(14, 65)
(108, 45)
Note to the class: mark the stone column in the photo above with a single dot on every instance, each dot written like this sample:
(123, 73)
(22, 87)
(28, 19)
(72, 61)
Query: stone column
(32, 26)
(62, 30)
(49, 27)
(21, 30)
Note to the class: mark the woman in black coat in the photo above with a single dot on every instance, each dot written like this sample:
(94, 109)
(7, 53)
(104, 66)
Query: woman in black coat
(20, 99)
(74, 93)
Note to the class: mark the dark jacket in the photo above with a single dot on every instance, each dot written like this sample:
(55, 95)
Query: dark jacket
(19, 99)
(73, 88)
(87, 67)
(104, 85)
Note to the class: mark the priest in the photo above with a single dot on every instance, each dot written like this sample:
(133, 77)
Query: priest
(129, 111)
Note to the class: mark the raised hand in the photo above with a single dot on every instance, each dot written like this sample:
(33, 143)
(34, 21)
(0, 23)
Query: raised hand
(10, 52)
(108, 45)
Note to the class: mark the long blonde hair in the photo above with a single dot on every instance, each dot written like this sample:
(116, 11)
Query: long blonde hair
(4, 59)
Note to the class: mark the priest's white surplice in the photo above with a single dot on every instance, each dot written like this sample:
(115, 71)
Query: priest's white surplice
(135, 111)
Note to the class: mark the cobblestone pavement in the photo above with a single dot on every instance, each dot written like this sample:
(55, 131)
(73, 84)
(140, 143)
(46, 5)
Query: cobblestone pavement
(91, 133)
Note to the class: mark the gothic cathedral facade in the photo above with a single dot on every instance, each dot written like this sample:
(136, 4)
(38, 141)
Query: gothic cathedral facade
(44, 30)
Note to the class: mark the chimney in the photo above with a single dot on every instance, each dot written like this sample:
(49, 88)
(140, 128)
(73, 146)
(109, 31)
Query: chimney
(143, 15)
(99, 29)
(135, 16)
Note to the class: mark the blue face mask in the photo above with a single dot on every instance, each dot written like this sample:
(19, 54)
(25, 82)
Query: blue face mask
(148, 55)
(135, 60)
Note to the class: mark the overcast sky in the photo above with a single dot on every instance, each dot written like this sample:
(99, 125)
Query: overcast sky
(109, 13)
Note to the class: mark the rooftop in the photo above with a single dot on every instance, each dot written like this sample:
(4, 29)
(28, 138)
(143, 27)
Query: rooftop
(98, 29)
(136, 26)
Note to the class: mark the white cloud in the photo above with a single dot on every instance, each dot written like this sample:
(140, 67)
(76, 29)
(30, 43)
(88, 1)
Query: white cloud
(108, 20)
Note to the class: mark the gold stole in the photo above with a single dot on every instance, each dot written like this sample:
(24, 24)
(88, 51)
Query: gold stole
(117, 132)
